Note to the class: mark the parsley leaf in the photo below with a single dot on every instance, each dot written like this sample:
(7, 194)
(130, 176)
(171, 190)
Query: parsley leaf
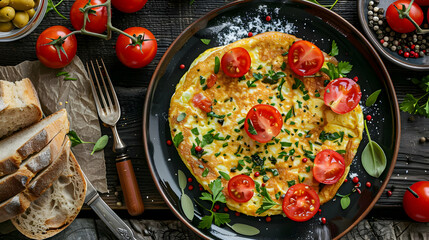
(267, 202)
(216, 196)
(334, 49)
(417, 105)
(344, 68)
(206, 222)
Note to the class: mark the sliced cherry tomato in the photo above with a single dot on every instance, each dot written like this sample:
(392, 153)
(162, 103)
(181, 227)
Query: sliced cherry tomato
(403, 25)
(342, 95)
(128, 6)
(305, 58)
(97, 17)
(136, 54)
(328, 167)
(417, 207)
(236, 62)
(263, 122)
(301, 202)
(202, 102)
(48, 54)
(211, 81)
(241, 188)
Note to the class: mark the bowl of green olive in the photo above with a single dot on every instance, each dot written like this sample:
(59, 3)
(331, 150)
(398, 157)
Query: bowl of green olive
(18, 18)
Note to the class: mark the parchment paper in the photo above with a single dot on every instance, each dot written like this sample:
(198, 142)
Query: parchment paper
(55, 93)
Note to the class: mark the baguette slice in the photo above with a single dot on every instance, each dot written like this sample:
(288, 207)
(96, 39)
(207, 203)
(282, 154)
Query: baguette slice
(20, 145)
(57, 207)
(15, 183)
(37, 186)
(19, 106)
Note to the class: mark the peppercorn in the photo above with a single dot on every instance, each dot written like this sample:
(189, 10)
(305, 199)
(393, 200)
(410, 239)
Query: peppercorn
(422, 140)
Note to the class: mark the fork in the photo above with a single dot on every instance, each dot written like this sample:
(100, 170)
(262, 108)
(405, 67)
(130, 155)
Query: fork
(109, 112)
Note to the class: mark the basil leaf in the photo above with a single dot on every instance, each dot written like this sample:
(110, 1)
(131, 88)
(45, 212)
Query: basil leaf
(205, 41)
(182, 179)
(373, 157)
(100, 144)
(345, 202)
(187, 206)
(372, 98)
(224, 175)
(178, 139)
(181, 117)
(217, 65)
(244, 229)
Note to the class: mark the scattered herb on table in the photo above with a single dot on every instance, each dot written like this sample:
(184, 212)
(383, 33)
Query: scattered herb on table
(206, 41)
(345, 200)
(52, 6)
(372, 98)
(66, 76)
(373, 157)
(419, 105)
(221, 218)
(326, 6)
(99, 145)
(185, 200)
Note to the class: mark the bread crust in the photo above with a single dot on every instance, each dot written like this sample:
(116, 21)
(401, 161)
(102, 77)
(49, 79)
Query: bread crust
(36, 143)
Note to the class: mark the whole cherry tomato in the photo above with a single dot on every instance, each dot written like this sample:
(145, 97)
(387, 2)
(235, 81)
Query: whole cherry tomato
(403, 25)
(51, 55)
(97, 17)
(136, 54)
(305, 58)
(416, 201)
(128, 6)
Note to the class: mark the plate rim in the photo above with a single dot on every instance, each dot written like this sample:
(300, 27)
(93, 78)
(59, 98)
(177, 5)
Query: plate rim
(213, 13)
(380, 49)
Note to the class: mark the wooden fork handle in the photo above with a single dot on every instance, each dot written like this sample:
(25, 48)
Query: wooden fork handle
(130, 188)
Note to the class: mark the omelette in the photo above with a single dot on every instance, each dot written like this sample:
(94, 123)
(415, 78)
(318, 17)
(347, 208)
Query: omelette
(309, 126)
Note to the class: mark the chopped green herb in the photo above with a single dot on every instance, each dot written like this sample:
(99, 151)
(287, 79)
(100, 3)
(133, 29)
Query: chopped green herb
(224, 175)
(283, 66)
(290, 183)
(217, 65)
(307, 168)
(206, 41)
(251, 129)
(259, 67)
(205, 173)
(181, 117)
(286, 144)
(212, 114)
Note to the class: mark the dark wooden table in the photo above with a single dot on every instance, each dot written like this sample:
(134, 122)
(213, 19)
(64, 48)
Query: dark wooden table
(167, 19)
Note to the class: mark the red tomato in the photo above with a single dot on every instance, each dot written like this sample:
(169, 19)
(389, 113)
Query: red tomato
(264, 121)
(422, 2)
(328, 167)
(97, 17)
(236, 62)
(212, 80)
(128, 6)
(301, 202)
(305, 58)
(202, 102)
(403, 25)
(241, 188)
(139, 54)
(48, 54)
(342, 95)
(417, 208)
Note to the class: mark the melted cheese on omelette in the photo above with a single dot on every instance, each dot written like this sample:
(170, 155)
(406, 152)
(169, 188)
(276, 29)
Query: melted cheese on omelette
(309, 126)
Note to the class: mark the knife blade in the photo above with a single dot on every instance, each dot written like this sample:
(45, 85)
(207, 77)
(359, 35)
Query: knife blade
(106, 214)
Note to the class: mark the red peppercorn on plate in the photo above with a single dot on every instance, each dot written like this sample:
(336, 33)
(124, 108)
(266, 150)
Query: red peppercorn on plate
(409, 50)
(216, 202)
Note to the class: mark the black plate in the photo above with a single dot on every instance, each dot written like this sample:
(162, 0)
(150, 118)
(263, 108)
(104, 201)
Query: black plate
(420, 64)
(315, 24)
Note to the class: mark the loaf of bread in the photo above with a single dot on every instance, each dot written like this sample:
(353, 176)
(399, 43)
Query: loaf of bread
(57, 207)
(30, 140)
(37, 186)
(19, 106)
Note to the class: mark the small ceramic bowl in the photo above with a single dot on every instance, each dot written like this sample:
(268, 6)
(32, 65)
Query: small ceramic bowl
(419, 64)
(19, 33)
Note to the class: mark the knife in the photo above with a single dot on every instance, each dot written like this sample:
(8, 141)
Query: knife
(106, 214)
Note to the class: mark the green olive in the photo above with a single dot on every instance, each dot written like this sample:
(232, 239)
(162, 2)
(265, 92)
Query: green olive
(6, 27)
(22, 5)
(4, 3)
(31, 12)
(21, 19)
(7, 14)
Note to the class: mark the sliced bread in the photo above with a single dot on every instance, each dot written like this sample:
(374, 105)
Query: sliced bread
(19, 106)
(37, 186)
(57, 207)
(30, 140)
(16, 182)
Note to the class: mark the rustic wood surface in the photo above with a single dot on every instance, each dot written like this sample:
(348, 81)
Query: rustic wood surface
(167, 19)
